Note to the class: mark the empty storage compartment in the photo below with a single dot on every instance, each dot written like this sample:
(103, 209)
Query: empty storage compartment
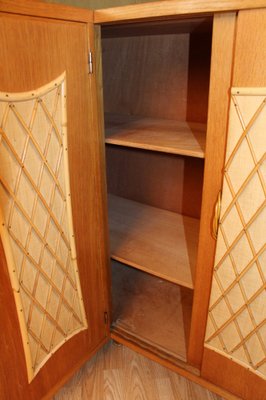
(154, 211)
(154, 312)
(156, 82)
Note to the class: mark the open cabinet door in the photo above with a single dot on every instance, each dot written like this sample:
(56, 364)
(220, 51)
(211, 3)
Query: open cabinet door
(53, 279)
(235, 346)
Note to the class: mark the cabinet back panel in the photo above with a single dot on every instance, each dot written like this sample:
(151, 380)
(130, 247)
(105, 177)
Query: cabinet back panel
(163, 76)
(161, 180)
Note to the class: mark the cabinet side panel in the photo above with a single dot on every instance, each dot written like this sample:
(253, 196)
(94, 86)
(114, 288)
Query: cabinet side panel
(220, 82)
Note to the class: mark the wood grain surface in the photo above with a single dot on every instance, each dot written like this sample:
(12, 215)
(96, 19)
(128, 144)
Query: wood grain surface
(250, 55)
(172, 8)
(244, 384)
(141, 300)
(39, 8)
(167, 181)
(156, 241)
(118, 373)
(33, 52)
(159, 75)
(167, 136)
(220, 82)
(248, 71)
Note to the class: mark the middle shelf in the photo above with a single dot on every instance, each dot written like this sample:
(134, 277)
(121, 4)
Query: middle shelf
(164, 135)
(160, 242)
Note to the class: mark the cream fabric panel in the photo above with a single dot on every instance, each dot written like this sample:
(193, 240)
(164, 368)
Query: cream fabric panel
(237, 315)
(36, 220)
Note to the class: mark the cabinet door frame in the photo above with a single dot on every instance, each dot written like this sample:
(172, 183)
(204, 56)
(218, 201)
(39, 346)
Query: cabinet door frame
(248, 72)
(88, 190)
(220, 82)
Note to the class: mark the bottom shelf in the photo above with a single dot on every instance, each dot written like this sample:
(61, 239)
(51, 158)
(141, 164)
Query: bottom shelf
(151, 310)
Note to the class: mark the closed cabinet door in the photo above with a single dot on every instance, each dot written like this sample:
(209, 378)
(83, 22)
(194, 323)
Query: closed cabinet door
(235, 342)
(52, 277)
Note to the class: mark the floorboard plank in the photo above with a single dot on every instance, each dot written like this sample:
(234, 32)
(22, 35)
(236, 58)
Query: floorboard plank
(118, 373)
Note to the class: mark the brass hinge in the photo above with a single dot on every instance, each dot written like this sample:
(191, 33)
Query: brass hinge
(216, 218)
(90, 62)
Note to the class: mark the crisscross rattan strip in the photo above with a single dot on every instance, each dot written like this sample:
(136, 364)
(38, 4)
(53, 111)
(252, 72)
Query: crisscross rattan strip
(242, 187)
(27, 174)
(245, 128)
(46, 147)
(242, 219)
(37, 147)
(56, 318)
(218, 332)
(43, 324)
(36, 339)
(247, 137)
(248, 336)
(260, 363)
(45, 276)
(238, 277)
(230, 309)
(42, 309)
(237, 313)
(242, 341)
(58, 313)
(36, 230)
(51, 119)
(38, 180)
(240, 235)
(241, 216)
(234, 315)
(5, 117)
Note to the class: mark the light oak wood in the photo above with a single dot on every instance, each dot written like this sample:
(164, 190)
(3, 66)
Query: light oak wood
(27, 67)
(250, 54)
(222, 49)
(170, 8)
(153, 240)
(158, 75)
(146, 75)
(248, 71)
(167, 136)
(244, 384)
(94, 40)
(140, 301)
(161, 180)
(118, 373)
(38, 8)
(61, 251)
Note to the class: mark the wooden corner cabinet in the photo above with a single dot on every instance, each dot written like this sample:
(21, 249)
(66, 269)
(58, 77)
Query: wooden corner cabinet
(133, 191)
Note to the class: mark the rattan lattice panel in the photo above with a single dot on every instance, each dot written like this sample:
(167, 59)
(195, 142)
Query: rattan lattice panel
(36, 220)
(237, 315)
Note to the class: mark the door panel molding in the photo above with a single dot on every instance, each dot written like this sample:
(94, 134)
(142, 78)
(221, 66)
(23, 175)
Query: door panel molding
(36, 220)
(237, 313)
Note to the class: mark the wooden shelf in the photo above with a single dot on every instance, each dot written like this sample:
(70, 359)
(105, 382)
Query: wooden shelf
(168, 136)
(142, 303)
(159, 242)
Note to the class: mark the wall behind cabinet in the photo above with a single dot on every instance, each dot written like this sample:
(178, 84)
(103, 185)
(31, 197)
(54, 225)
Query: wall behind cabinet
(95, 4)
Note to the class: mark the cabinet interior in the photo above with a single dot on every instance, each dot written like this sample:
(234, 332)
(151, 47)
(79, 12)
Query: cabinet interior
(155, 84)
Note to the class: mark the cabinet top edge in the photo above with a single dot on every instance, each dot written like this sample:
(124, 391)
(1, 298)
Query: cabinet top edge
(38, 8)
(171, 8)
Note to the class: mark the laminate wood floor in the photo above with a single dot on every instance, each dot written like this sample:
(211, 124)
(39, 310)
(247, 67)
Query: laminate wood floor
(118, 373)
